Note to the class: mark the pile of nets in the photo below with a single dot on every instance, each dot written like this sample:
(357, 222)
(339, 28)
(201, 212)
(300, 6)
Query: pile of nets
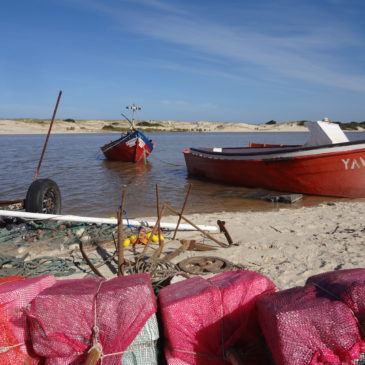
(26, 232)
(11, 266)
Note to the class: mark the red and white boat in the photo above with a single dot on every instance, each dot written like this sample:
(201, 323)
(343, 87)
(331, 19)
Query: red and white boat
(131, 147)
(327, 164)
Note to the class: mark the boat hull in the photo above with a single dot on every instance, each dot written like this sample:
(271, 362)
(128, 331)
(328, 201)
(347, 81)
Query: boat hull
(133, 147)
(335, 170)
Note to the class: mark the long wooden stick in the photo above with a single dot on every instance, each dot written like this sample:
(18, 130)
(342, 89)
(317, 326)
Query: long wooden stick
(182, 211)
(120, 236)
(48, 134)
(196, 227)
(161, 243)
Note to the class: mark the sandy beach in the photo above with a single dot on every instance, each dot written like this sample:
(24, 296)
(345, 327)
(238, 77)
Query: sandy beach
(287, 245)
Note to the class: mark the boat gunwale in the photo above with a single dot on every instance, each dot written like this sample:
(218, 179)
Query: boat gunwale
(250, 151)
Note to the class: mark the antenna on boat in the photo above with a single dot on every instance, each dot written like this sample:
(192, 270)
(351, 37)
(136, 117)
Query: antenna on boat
(134, 108)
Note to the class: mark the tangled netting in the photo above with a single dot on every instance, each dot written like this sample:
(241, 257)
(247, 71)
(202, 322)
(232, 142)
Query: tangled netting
(202, 319)
(321, 323)
(24, 233)
(74, 316)
(15, 294)
(11, 265)
(19, 233)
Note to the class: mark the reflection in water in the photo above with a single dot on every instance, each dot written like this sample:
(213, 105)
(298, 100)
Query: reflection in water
(126, 172)
(92, 187)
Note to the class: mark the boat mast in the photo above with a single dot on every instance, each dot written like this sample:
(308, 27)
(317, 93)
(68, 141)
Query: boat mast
(134, 108)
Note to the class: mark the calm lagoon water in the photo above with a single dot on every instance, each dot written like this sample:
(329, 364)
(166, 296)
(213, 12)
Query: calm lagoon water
(92, 186)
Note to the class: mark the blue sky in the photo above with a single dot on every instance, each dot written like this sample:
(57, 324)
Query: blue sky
(189, 60)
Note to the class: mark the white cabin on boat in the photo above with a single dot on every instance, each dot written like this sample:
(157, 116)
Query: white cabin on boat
(324, 132)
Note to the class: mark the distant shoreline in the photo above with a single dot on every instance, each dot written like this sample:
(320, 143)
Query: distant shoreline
(71, 126)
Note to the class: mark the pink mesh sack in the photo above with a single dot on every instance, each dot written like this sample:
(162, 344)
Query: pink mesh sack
(305, 327)
(204, 319)
(15, 295)
(75, 316)
(347, 286)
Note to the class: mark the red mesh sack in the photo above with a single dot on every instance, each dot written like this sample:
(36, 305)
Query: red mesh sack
(303, 327)
(347, 286)
(15, 295)
(203, 319)
(70, 318)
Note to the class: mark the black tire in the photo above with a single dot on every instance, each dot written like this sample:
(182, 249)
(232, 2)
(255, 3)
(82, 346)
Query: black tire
(43, 196)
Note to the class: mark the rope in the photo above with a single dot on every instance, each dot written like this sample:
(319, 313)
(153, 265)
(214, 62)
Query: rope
(169, 163)
(159, 270)
(96, 331)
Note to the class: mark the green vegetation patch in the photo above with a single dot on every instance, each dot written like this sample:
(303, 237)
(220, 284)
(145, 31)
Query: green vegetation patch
(149, 124)
(352, 126)
(112, 128)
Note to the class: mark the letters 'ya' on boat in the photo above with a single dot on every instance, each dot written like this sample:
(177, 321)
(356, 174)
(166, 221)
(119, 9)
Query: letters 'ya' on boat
(327, 164)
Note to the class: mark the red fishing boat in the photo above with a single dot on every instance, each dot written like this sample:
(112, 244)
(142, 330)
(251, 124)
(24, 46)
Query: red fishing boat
(133, 146)
(327, 164)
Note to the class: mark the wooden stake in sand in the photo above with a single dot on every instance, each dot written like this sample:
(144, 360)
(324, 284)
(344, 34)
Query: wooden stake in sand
(182, 211)
(120, 236)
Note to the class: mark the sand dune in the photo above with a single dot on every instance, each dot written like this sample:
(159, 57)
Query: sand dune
(38, 126)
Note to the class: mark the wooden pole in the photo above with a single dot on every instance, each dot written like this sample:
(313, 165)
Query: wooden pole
(182, 211)
(47, 137)
(160, 241)
(120, 236)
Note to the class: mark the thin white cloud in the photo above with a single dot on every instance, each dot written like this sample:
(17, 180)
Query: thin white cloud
(174, 102)
(312, 51)
(158, 5)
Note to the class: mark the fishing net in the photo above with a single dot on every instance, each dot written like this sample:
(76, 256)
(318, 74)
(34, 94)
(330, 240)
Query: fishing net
(303, 326)
(15, 295)
(76, 315)
(204, 318)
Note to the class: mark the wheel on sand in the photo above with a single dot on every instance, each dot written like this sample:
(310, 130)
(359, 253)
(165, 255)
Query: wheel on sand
(43, 196)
